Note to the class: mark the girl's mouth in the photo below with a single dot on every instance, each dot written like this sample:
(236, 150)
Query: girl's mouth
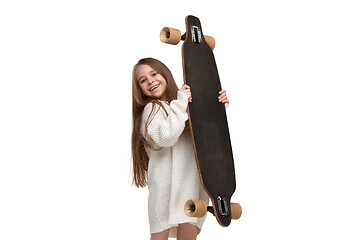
(154, 87)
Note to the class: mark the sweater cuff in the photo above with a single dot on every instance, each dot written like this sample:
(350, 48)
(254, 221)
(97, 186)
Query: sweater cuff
(182, 97)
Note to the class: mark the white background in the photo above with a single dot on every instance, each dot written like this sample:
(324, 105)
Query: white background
(291, 70)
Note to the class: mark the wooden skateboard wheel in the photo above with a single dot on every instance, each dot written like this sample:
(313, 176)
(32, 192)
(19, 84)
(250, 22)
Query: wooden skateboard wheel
(170, 35)
(195, 208)
(210, 41)
(236, 211)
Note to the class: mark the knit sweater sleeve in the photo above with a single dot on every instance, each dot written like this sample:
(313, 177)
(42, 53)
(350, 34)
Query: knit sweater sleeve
(165, 128)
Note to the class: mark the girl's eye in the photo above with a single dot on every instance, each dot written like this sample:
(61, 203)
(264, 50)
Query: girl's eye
(142, 80)
(154, 74)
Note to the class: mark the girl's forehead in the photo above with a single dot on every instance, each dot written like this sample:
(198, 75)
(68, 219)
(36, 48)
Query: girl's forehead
(142, 70)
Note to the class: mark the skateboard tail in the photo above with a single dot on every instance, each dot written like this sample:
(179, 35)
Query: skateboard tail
(222, 211)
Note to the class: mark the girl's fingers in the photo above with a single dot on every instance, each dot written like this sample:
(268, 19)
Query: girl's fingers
(222, 93)
(223, 97)
(185, 89)
(184, 86)
(224, 100)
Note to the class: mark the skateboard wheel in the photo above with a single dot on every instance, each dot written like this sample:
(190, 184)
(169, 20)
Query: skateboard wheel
(210, 41)
(170, 35)
(195, 208)
(236, 211)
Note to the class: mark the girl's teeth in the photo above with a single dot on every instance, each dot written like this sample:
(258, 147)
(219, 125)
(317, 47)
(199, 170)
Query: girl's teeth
(152, 89)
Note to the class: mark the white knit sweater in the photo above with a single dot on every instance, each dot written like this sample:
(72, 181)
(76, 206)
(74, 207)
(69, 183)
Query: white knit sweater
(172, 173)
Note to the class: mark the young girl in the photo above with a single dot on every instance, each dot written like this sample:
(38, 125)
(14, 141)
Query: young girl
(162, 150)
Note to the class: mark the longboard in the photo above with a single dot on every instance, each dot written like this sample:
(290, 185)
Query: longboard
(208, 123)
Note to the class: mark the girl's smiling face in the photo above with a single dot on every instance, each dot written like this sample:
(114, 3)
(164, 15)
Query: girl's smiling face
(152, 84)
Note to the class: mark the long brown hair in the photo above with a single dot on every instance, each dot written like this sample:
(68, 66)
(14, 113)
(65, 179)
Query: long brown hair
(139, 100)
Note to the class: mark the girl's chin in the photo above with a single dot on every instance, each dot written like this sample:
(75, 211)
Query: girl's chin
(156, 94)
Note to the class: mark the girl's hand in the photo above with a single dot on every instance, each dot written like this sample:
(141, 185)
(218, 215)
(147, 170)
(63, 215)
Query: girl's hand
(186, 89)
(223, 97)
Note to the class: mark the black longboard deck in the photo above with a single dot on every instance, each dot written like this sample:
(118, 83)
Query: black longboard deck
(208, 122)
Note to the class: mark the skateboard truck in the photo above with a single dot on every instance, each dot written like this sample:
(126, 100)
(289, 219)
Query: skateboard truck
(196, 34)
(223, 206)
(210, 209)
